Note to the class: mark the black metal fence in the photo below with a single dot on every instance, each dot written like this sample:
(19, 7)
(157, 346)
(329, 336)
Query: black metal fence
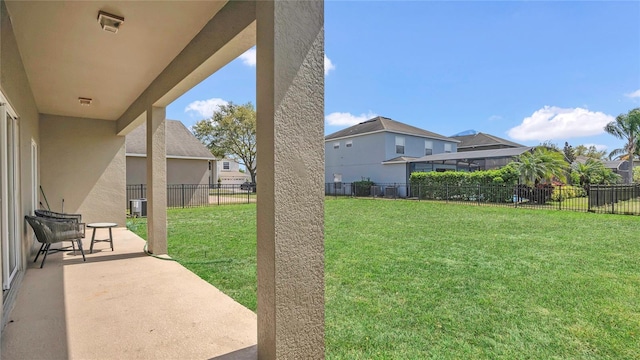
(609, 199)
(196, 195)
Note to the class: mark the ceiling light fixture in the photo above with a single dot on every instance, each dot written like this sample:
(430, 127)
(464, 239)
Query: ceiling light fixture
(85, 101)
(109, 22)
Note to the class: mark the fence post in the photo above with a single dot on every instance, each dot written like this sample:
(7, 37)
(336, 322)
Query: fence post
(446, 193)
(218, 195)
(613, 203)
(478, 194)
(419, 191)
(559, 197)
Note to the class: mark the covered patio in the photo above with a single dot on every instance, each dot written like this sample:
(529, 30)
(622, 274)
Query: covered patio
(76, 78)
(124, 305)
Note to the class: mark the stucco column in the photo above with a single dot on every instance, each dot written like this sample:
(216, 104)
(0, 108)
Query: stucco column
(290, 215)
(156, 181)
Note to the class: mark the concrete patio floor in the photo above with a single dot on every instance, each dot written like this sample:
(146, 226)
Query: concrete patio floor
(123, 305)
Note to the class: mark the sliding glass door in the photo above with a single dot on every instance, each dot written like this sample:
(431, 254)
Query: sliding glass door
(9, 220)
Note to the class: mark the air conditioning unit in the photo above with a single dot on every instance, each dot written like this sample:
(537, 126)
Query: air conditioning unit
(390, 192)
(376, 191)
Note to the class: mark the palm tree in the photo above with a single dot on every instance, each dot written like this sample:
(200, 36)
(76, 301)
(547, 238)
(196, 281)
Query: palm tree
(626, 127)
(586, 170)
(593, 172)
(541, 165)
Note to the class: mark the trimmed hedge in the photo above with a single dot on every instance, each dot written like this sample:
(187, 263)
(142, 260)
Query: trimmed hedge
(507, 175)
(482, 186)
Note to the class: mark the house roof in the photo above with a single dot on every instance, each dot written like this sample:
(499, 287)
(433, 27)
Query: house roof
(180, 142)
(399, 159)
(615, 164)
(482, 139)
(379, 124)
(480, 154)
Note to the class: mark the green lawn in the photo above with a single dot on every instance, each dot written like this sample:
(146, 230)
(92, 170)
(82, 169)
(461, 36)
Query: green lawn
(414, 280)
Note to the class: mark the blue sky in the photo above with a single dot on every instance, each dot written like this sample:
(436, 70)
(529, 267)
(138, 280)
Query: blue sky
(526, 71)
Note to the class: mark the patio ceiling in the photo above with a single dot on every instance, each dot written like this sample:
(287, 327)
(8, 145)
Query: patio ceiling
(67, 55)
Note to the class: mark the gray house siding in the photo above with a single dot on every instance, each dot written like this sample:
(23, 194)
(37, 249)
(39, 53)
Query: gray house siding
(362, 159)
(365, 156)
(414, 145)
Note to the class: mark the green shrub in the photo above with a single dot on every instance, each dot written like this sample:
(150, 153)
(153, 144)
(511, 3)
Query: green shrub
(362, 187)
(561, 193)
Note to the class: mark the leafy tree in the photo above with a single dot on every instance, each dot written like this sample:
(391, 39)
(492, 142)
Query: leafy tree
(231, 133)
(590, 152)
(626, 127)
(550, 145)
(569, 153)
(541, 165)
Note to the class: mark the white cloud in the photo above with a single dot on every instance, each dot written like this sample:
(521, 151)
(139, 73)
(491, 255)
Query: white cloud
(635, 94)
(205, 108)
(328, 66)
(495, 118)
(552, 122)
(249, 57)
(598, 147)
(347, 119)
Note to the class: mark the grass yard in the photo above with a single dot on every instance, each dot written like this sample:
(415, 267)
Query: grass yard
(415, 280)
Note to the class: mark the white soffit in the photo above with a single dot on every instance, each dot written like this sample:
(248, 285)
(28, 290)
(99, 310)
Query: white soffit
(67, 55)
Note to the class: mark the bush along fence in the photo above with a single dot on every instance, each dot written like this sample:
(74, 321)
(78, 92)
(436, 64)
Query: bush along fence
(610, 199)
(193, 195)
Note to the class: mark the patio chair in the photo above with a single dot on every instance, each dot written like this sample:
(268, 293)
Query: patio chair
(50, 231)
(60, 216)
(57, 215)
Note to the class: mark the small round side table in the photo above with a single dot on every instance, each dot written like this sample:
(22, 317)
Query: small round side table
(102, 225)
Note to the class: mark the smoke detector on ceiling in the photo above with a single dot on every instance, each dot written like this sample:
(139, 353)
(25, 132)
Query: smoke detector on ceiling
(109, 22)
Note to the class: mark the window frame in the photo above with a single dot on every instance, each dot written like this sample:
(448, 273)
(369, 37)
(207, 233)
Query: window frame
(400, 144)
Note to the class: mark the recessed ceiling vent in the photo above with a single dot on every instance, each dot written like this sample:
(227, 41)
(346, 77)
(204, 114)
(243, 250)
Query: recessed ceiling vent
(109, 22)
(85, 101)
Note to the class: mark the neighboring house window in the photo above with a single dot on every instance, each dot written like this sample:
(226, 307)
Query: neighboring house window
(447, 147)
(336, 145)
(399, 145)
(225, 165)
(428, 147)
(349, 143)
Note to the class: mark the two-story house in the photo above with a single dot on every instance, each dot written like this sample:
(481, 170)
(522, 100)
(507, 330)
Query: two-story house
(227, 172)
(379, 149)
